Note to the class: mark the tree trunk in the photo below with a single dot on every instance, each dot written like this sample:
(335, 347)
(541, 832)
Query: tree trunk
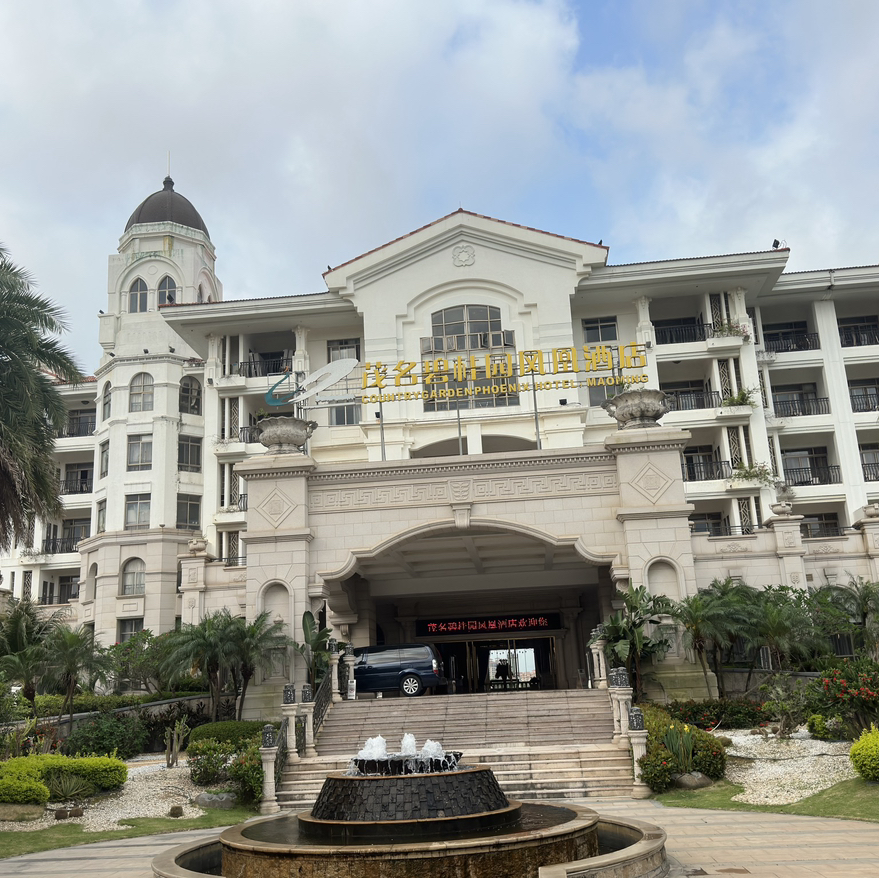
(245, 680)
(701, 654)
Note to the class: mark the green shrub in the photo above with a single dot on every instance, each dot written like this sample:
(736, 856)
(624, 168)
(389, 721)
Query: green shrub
(105, 734)
(864, 754)
(728, 713)
(232, 732)
(207, 760)
(245, 771)
(825, 729)
(64, 787)
(709, 756)
(657, 768)
(102, 772)
(23, 790)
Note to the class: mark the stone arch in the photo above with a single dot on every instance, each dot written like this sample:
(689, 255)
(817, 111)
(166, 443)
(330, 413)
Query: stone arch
(91, 580)
(276, 598)
(664, 576)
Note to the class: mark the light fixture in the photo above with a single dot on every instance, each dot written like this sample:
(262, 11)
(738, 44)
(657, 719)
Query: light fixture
(775, 244)
(211, 381)
(378, 416)
(87, 401)
(100, 311)
(146, 350)
(170, 349)
(563, 402)
(110, 354)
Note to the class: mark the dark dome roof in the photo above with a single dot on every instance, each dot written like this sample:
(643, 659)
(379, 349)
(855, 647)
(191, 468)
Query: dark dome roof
(167, 206)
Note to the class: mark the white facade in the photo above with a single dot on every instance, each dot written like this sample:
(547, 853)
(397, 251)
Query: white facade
(512, 495)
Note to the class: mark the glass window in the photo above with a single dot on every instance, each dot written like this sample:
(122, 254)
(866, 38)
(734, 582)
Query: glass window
(137, 511)
(199, 296)
(101, 517)
(188, 512)
(343, 349)
(190, 396)
(137, 297)
(344, 415)
(104, 459)
(189, 454)
(128, 628)
(133, 576)
(140, 453)
(167, 291)
(105, 402)
(140, 396)
(600, 329)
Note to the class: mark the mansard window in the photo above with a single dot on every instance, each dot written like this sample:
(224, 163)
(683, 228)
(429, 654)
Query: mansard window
(140, 396)
(106, 402)
(133, 576)
(167, 291)
(190, 396)
(469, 351)
(137, 297)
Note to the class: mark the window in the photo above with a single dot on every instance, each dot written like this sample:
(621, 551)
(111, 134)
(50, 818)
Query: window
(137, 511)
(820, 524)
(344, 415)
(167, 291)
(190, 396)
(188, 511)
(189, 454)
(137, 297)
(600, 329)
(104, 459)
(27, 580)
(133, 576)
(68, 589)
(343, 349)
(140, 396)
(105, 402)
(140, 453)
(128, 628)
(101, 517)
(864, 394)
(73, 531)
(715, 524)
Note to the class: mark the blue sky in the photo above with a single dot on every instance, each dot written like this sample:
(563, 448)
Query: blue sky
(308, 132)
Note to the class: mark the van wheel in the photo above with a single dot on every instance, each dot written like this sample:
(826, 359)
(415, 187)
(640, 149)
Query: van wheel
(410, 685)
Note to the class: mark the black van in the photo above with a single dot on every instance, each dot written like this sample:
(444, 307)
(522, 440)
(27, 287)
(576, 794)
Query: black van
(409, 667)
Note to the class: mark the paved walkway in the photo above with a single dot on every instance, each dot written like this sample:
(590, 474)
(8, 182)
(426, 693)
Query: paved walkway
(710, 843)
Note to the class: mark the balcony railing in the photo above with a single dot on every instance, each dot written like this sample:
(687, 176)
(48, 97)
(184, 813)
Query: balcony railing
(871, 472)
(232, 561)
(242, 502)
(77, 427)
(855, 336)
(239, 504)
(863, 402)
(261, 368)
(803, 341)
(706, 470)
(688, 332)
(56, 546)
(817, 529)
(793, 408)
(53, 599)
(720, 529)
(689, 400)
(813, 475)
(248, 434)
(76, 486)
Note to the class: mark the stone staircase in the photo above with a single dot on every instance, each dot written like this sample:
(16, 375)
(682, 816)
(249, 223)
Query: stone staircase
(541, 745)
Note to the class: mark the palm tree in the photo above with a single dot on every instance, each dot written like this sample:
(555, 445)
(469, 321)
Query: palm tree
(254, 642)
(28, 667)
(738, 605)
(314, 645)
(31, 409)
(26, 624)
(702, 617)
(859, 601)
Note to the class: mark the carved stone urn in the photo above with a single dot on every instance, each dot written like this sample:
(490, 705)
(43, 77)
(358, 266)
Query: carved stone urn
(633, 409)
(782, 507)
(285, 434)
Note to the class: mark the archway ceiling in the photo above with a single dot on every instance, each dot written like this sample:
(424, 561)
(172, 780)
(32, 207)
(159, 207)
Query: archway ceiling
(468, 553)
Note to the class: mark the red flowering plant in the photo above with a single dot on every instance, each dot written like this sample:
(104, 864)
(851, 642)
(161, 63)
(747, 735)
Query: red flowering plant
(852, 691)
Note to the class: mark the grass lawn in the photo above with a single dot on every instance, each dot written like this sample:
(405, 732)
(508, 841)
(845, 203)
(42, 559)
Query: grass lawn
(850, 800)
(68, 834)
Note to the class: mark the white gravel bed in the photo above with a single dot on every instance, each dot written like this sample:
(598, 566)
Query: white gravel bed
(150, 791)
(785, 770)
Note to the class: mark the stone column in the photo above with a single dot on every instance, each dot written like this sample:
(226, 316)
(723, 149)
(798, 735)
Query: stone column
(599, 664)
(640, 790)
(334, 672)
(306, 711)
(624, 696)
(349, 660)
(288, 712)
(268, 753)
(615, 709)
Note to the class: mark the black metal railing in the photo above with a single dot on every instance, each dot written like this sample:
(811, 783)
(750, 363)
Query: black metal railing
(802, 341)
(76, 486)
(856, 336)
(793, 408)
(248, 434)
(720, 529)
(299, 729)
(862, 402)
(343, 676)
(77, 427)
(813, 475)
(56, 546)
(810, 530)
(48, 600)
(232, 561)
(261, 368)
(689, 400)
(323, 698)
(705, 470)
(242, 502)
(871, 472)
(281, 752)
(684, 334)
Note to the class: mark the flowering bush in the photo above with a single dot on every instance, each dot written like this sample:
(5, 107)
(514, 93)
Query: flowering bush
(657, 768)
(729, 713)
(852, 691)
(864, 754)
(829, 729)
(207, 760)
(245, 771)
(678, 740)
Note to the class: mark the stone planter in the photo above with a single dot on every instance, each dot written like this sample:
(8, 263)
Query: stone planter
(634, 409)
(285, 434)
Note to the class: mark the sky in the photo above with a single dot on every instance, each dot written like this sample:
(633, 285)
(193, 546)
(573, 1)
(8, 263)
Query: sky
(307, 132)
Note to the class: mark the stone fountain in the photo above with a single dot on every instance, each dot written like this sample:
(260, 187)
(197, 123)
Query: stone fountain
(420, 812)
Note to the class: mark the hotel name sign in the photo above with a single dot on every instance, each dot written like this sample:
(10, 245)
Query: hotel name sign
(493, 624)
(504, 373)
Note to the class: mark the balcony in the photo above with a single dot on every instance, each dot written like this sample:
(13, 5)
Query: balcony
(856, 336)
(706, 470)
(56, 546)
(48, 600)
(810, 530)
(871, 472)
(232, 561)
(794, 408)
(683, 334)
(77, 427)
(864, 402)
(239, 505)
(801, 341)
(720, 529)
(686, 400)
(248, 434)
(813, 475)
(76, 486)
(261, 368)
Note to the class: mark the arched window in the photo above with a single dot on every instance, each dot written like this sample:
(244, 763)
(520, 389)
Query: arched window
(105, 402)
(167, 291)
(190, 396)
(199, 296)
(133, 576)
(137, 297)
(140, 395)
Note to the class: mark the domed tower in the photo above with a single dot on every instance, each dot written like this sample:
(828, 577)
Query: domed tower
(150, 431)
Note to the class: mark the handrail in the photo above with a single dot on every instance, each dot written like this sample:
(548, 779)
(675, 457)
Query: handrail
(813, 475)
(323, 698)
(688, 400)
(705, 470)
(281, 754)
(801, 341)
(792, 408)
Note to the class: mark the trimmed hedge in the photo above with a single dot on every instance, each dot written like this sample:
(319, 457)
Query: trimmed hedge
(864, 754)
(52, 705)
(25, 775)
(234, 732)
(122, 735)
(729, 713)
(23, 790)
